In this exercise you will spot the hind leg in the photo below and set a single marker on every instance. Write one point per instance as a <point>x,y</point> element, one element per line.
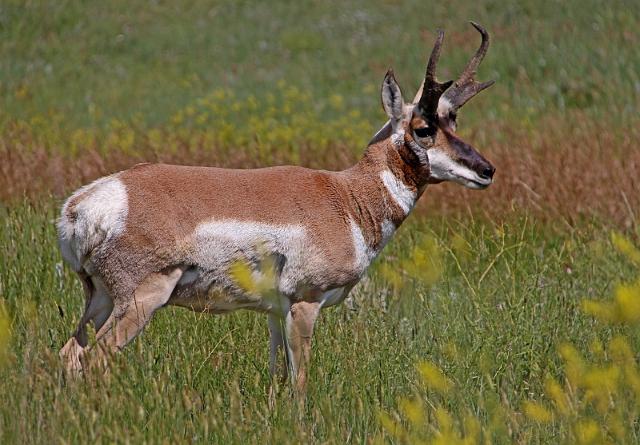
<point>129,316</point>
<point>98,307</point>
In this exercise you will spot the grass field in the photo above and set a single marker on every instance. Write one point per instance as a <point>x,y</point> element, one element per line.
<point>507,298</point>
<point>460,331</point>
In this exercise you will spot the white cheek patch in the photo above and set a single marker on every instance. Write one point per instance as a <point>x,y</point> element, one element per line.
<point>420,152</point>
<point>446,169</point>
<point>442,166</point>
<point>100,215</point>
<point>400,193</point>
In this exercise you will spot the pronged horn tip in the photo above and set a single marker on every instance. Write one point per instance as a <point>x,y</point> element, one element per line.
<point>465,86</point>
<point>480,28</point>
<point>472,66</point>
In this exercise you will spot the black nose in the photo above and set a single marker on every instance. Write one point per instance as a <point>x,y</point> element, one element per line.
<point>488,172</point>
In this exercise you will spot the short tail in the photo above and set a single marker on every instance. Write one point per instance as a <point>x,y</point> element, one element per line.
<point>92,215</point>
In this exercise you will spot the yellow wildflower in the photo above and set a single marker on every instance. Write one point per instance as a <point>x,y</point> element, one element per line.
<point>536,412</point>
<point>433,377</point>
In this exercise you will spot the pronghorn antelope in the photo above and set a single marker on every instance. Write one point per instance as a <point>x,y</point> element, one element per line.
<point>157,234</point>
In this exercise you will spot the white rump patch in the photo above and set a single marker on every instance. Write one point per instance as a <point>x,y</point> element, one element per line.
<point>97,216</point>
<point>401,194</point>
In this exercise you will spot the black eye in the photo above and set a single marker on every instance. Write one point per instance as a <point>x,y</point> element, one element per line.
<point>425,131</point>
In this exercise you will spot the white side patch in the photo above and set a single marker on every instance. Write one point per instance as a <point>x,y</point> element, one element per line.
<point>97,217</point>
<point>251,234</point>
<point>217,243</point>
<point>401,194</point>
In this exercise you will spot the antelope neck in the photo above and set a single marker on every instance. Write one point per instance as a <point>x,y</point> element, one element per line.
<point>383,188</point>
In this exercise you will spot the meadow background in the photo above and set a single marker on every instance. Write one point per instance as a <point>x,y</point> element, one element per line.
<point>481,322</point>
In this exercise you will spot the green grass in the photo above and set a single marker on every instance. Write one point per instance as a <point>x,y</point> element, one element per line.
<point>87,63</point>
<point>115,76</point>
<point>507,297</point>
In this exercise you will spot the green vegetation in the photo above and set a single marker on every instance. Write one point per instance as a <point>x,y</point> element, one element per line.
<point>507,297</point>
<point>84,65</point>
<point>462,325</point>
<point>594,401</point>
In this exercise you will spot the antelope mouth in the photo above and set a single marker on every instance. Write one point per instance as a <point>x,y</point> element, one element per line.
<point>475,182</point>
<point>478,184</point>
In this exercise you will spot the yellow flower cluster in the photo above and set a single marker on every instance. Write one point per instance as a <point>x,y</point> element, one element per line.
<point>423,264</point>
<point>596,402</point>
<point>284,121</point>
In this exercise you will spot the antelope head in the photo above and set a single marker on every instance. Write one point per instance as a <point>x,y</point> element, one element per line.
<point>428,124</point>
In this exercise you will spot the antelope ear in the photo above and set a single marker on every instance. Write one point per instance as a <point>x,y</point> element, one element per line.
<point>392,101</point>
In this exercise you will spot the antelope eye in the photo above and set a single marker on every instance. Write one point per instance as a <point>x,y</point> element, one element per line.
<point>425,131</point>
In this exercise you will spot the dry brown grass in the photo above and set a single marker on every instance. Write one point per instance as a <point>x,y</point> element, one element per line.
<point>563,171</point>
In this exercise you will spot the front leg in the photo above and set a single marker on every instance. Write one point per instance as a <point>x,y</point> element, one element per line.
<point>299,324</point>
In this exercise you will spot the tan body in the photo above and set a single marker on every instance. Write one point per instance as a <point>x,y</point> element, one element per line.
<point>283,205</point>
<point>184,227</point>
<point>163,234</point>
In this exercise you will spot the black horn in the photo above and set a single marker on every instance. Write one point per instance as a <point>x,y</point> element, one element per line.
<point>466,87</point>
<point>432,89</point>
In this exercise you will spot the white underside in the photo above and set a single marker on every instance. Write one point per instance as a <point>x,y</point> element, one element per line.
<point>218,244</point>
